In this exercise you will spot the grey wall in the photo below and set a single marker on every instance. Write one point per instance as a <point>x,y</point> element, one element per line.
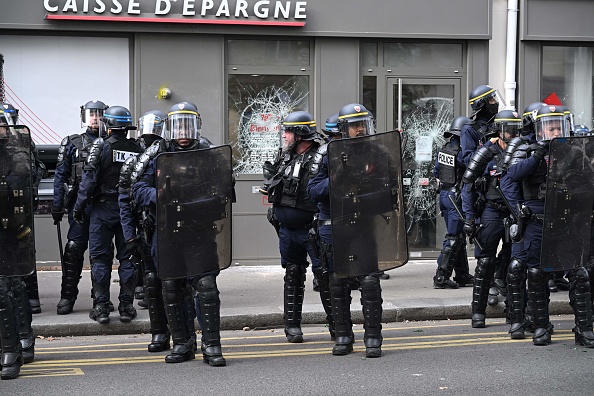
<point>337,75</point>
<point>191,66</point>
<point>567,20</point>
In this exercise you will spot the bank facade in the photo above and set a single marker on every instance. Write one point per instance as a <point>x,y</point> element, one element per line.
<point>246,63</point>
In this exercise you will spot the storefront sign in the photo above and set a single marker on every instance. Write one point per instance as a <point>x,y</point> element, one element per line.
<point>234,12</point>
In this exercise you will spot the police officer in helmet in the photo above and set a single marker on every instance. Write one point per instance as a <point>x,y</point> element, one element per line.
<point>17,255</point>
<point>354,121</point>
<point>138,227</point>
<point>448,170</point>
<point>294,212</point>
<point>98,189</point>
<point>183,134</point>
<point>72,155</point>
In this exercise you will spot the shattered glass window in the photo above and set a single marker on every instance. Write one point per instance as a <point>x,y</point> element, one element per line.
<point>427,112</point>
<point>257,106</point>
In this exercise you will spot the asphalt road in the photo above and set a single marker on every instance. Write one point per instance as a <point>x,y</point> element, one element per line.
<point>420,358</point>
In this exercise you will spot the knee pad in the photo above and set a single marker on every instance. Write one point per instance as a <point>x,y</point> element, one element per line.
<point>294,275</point>
<point>485,266</point>
<point>370,283</point>
<point>151,279</point>
<point>517,269</point>
<point>580,280</point>
<point>74,252</point>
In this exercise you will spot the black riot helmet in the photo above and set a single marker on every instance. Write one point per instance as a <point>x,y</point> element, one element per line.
<point>485,101</point>
<point>9,113</point>
<point>301,123</point>
<point>151,123</point>
<point>183,122</point>
<point>529,116</point>
<point>91,114</point>
<point>508,124</point>
<point>117,118</point>
<point>331,126</point>
<point>551,122</point>
<point>355,120</point>
<point>456,126</point>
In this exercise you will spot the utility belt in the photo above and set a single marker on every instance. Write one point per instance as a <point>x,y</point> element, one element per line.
<point>498,206</point>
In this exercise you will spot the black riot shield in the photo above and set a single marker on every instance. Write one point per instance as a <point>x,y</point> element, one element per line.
<point>194,194</point>
<point>569,200</point>
<point>17,241</point>
<point>366,204</point>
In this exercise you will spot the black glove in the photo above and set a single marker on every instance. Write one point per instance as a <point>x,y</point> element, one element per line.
<point>132,245</point>
<point>57,215</point>
<point>469,229</point>
<point>542,147</point>
<point>79,216</point>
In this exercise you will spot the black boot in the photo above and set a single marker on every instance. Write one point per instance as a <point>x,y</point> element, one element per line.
<point>210,310</point>
<point>23,311</point>
<point>485,267</point>
<point>72,266</point>
<point>293,301</point>
<point>371,300</point>
<point>538,299</point>
<point>442,280</point>
<point>323,278</point>
<point>581,302</point>
<point>100,311</point>
<point>184,338</point>
<point>341,312</point>
<point>516,298</point>
<point>157,316</point>
<point>126,305</point>
<point>463,277</point>
<point>12,358</point>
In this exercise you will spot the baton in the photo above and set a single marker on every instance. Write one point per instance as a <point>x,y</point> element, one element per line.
<point>471,240</point>
<point>60,246</point>
<point>509,207</point>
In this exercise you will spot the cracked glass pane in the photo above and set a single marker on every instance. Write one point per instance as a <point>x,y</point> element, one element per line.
<point>427,112</point>
<point>257,106</point>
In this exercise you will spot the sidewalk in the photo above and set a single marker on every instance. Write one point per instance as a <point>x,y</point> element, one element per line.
<point>252,296</point>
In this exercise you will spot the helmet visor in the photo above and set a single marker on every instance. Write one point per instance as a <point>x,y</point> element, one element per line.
<point>183,126</point>
<point>357,126</point>
<point>91,118</point>
<point>549,127</point>
<point>150,124</point>
<point>508,129</point>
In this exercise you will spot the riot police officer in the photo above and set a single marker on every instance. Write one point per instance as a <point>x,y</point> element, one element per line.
<point>354,121</point>
<point>483,203</point>
<point>448,170</point>
<point>149,130</point>
<point>11,117</point>
<point>294,212</point>
<point>529,167</point>
<point>182,135</point>
<point>17,179</point>
<point>98,188</point>
<point>72,155</point>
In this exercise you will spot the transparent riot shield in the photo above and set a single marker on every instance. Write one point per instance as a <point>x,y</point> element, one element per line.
<point>194,194</point>
<point>366,204</point>
<point>17,241</point>
<point>569,200</point>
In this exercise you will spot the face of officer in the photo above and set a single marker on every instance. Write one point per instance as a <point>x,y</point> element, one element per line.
<point>94,118</point>
<point>551,130</point>
<point>357,129</point>
<point>289,139</point>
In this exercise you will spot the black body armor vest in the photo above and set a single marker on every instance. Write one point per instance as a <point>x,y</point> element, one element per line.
<point>121,149</point>
<point>450,172</point>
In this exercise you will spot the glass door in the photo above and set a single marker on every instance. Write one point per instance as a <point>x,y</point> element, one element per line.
<point>422,109</point>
